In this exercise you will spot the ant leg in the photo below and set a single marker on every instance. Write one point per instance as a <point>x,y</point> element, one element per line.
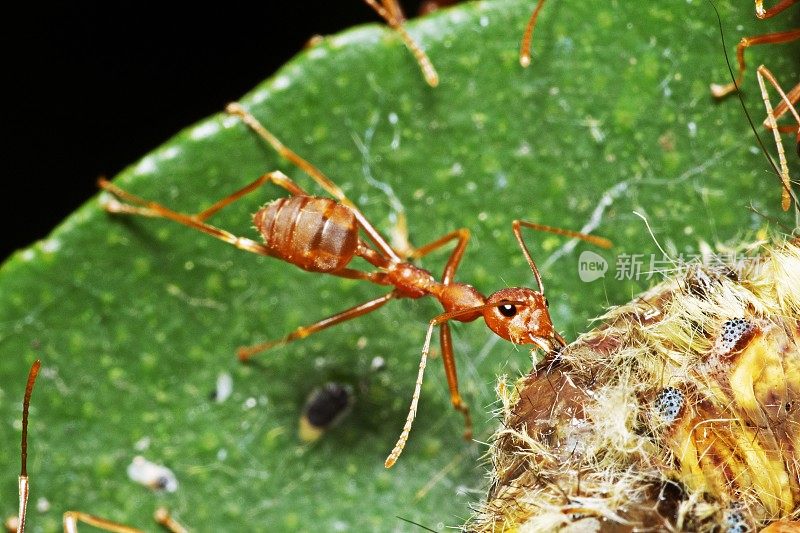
<point>246,352</point>
<point>399,239</point>
<point>774,10</point>
<point>761,73</point>
<point>277,177</point>
<point>787,103</point>
<point>316,174</point>
<point>140,206</point>
<point>163,517</point>
<point>527,36</point>
<point>71,519</point>
<point>448,359</point>
<point>445,339</point>
<point>452,377</point>
<point>429,6</point>
<point>720,91</point>
<point>461,234</point>
<point>401,243</point>
<point>24,486</point>
<point>390,11</point>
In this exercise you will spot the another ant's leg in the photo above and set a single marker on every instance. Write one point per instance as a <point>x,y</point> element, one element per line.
<point>71,519</point>
<point>163,517</point>
<point>527,36</point>
<point>246,352</point>
<point>720,91</point>
<point>429,6</point>
<point>24,486</point>
<point>390,11</point>
<point>787,104</point>
<point>452,377</point>
<point>316,174</point>
<point>140,206</point>
<point>786,190</point>
<point>401,243</point>
<point>774,10</point>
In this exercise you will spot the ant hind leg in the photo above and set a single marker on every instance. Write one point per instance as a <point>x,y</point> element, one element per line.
<point>139,206</point>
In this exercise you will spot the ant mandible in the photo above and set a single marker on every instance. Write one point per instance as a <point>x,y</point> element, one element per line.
<point>322,235</point>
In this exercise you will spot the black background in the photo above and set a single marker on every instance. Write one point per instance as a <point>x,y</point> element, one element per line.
<point>93,88</point>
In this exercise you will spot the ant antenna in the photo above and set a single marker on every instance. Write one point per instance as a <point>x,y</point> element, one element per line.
<point>746,112</point>
<point>412,411</point>
<point>516,225</point>
<point>23,474</point>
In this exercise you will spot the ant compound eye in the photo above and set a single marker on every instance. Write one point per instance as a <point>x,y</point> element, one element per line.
<point>507,310</point>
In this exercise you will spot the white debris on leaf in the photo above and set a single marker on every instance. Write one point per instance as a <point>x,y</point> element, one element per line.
<point>224,387</point>
<point>155,477</point>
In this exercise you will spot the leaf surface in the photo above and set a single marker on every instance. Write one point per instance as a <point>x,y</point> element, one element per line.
<point>134,319</point>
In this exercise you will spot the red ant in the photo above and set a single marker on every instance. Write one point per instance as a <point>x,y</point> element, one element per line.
<point>71,518</point>
<point>788,100</point>
<point>322,235</point>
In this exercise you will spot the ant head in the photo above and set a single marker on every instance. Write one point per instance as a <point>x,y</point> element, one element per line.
<point>520,315</point>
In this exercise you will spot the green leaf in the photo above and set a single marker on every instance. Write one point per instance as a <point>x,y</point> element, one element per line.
<point>134,319</point>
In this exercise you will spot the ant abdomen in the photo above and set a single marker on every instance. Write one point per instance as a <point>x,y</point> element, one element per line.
<point>316,234</point>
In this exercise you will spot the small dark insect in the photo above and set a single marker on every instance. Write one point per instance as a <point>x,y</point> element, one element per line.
<point>322,235</point>
<point>71,518</point>
<point>325,407</point>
